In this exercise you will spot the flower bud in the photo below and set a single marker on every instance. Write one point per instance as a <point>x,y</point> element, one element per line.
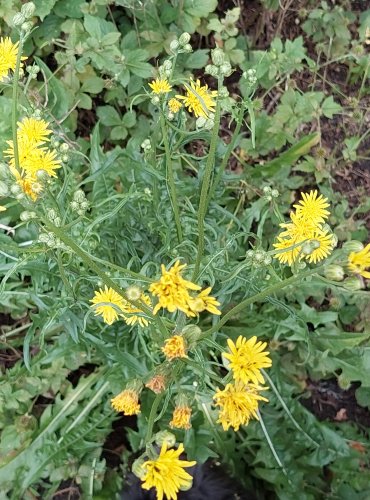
<point>155,100</point>
<point>226,69</point>
<point>4,190</point>
<point>138,469</point>
<point>223,92</point>
<point>167,64</point>
<point>353,283</point>
<point>18,19</point>
<point>64,147</point>
<point>74,205</point>
<point>65,158</point>
<point>184,39</point>
<point>24,216</point>
<point>43,237</point>
<point>52,214</point>
<point>170,116</point>
<point>79,196</point>
<point>27,26</point>
<point>15,189</point>
<point>211,70</point>
<point>344,382</point>
<point>28,9</point>
<point>201,121</point>
<point>334,272</point>
<point>352,246</point>
<point>188,48</point>
<point>85,205</point>
<point>217,56</point>
<point>174,45</point>
<point>191,333</point>
<point>275,193</point>
<point>165,437</point>
<point>133,292</point>
<point>42,175</point>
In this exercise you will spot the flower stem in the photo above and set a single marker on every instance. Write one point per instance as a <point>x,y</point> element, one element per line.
<point>226,157</point>
<point>152,415</point>
<point>258,297</point>
<point>206,185</point>
<point>15,102</point>
<point>171,179</point>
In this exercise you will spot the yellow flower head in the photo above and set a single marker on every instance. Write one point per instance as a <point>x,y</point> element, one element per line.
<point>238,404</point>
<point>202,302</point>
<point>322,244</point>
<point>40,159</point>
<point>181,417</point>
<point>157,384</point>
<point>312,208</point>
<point>107,302</point>
<point>127,401</point>
<point>199,100</point>
<point>358,262</point>
<point>134,313</point>
<point>175,347</point>
<point>247,357</point>
<point>172,290</point>
<point>174,105</point>
<point>160,86</point>
<point>166,473</point>
<point>34,131</point>
<point>8,56</point>
<point>289,253</point>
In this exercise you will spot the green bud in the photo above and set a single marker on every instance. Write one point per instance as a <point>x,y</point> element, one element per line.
<point>74,205</point>
<point>184,39</point>
<point>353,283</point>
<point>28,9</point>
<point>226,69</point>
<point>138,469</point>
<point>15,189</point>
<point>25,216</point>
<point>43,238</point>
<point>57,221</point>
<point>191,333</point>
<point>27,26</point>
<point>155,100</point>
<point>188,48</point>
<point>167,64</point>
<point>18,19</point>
<point>174,45</point>
<point>334,272</point>
<point>165,437</point>
<point>275,193</point>
<point>223,92</point>
<point>52,214</point>
<point>85,205</point>
<point>4,190</point>
<point>343,382</point>
<point>79,196</point>
<point>211,70</point>
<point>64,147</point>
<point>352,246</point>
<point>217,56</point>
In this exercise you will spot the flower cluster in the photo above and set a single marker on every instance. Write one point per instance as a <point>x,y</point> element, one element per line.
<point>33,156</point>
<point>306,236</point>
<point>238,402</point>
<point>111,306</point>
<point>172,291</point>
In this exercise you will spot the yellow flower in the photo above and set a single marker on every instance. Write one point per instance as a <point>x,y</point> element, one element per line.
<point>174,347</point>
<point>8,56</point>
<point>312,208</point>
<point>172,290</point>
<point>26,149</point>
<point>40,159</point>
<point>358,262</point>
<point>107,302</point>
<point>198,99</point>
<point>181,417</point>
<point>166,473</point>
<point>2,209</point>
<point>174,105</point>
<point>127,401</point>
<point>134,312</point>
<point>202,302</point>
<point>160,86</point>
<point>247,357</point>
<point>32,130</point>
<point>322,244</point>
<point>289,255</point>
<point>238,403</point>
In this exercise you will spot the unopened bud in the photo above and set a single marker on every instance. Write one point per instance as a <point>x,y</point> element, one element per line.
<point>184,39</point>
<point>165,437</point>
<point>217,56</point>
<point>138,469</point>
<point>64,147</point>
<point>188,48</point>
<point>226,69</point>
<point>155,100</point>
<point>174,45</point>
<point>352,246</point>
<point>28,9</point>
<point>18,19</point>
<point>353,283</point>
<point>79,196</point>
<point>133,292</point>
<point>4,190</point>
<point>344,382</point>
<point>334,272</point>
<point>27,26</point>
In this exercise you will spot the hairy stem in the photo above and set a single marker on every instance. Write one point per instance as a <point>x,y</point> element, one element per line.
<point>152,415</point>
<point>206,185</point>
<point>171,179</point>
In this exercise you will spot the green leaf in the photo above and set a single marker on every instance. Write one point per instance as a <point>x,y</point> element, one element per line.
<point>43,7</point>
<point>108,116</point>
<point>200,9</point>
<point>329,107</point>
<point>197,59</point>
<point>93,85</point>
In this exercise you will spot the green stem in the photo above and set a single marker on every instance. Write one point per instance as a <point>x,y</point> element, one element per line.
<point>225,159</point>
<point>15,102</point>
<point>206,184</point>
<point>258,297</point>
<point>85,257</point>
<point>152,415</point>
<point>171,179</point>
